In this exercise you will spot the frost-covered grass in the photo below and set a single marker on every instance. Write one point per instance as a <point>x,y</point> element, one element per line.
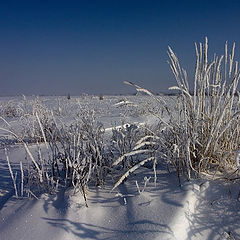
<point>206,131</point>
<point>197,131</point>
<point>71,146</point>
<point>91,145</point>
<point>201,131</point>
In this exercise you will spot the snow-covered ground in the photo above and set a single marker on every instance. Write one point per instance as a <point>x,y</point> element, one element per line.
<point>201,209</point>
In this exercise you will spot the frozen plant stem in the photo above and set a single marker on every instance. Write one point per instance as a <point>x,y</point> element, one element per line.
<point>11,173</point>
<point>22,177</point>
<point>237,159</point>
<point>146,181</point>
<point>139,191</point>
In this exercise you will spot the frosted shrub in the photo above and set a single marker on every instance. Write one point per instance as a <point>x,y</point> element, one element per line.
<point>67,155</point>
<point>122,141</point>
<point>135,147</point>
<point>10,109</point>
<point>206,130</point>
<point>24,113</point>
<point>84,151</point>
<point>41,116</point>
<point>76,154</point>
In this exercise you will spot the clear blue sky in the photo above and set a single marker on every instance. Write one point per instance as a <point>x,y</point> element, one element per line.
<point>60,47</point>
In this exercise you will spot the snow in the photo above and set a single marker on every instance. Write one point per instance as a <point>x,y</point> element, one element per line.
<point>162,212</point>
<point>122,214</point>
<point>200,209</point>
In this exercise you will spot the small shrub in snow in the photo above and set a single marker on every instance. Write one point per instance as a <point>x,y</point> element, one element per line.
<point>206,131</point>
<point>10,109</point>
<point>122,141</point>
<point>140,151</point>
<point>67,155</point>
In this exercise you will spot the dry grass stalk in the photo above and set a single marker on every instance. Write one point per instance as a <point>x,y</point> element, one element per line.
<point>207,120</point>
<point>11,173</point>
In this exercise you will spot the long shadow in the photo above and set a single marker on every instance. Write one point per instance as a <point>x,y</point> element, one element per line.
<point>58,201</point>
<point>17,212</point>
<point>170,190</point>
<point>6,184</point>
<point>167,188</point>
<point>92,231</point>
<point>216,214</point>
<point>135,212</point>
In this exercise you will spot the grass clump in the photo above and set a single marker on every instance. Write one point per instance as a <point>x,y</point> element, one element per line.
<point>206,130</point>
<point>202,130</point>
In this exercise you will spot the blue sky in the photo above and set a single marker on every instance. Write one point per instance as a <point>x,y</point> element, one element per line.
<point>61,47</point>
